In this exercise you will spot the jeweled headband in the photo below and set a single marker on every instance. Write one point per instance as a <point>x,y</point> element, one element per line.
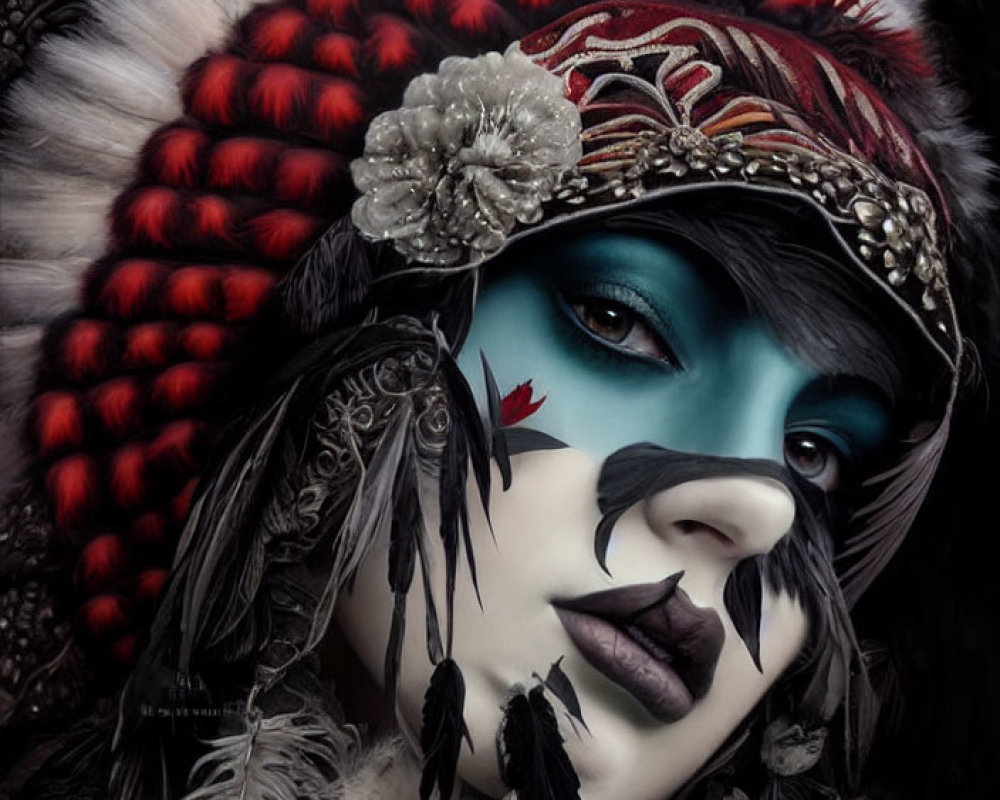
<point>625,102</point>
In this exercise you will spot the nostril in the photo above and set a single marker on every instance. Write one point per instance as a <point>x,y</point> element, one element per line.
<point>691,526</point>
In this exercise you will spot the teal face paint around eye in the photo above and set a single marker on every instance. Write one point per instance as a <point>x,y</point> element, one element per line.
<point>726,385</point>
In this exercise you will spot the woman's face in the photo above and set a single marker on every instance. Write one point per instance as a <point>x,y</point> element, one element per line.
<point>628,342</point>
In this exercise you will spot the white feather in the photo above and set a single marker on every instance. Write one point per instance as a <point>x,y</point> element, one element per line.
<point>37,291</point>
<point>282,757</point>
<point>85,110</point>
<point>51,215</point>
<point>19,349</point>
<point>173,32</point>
<point>897,14</point>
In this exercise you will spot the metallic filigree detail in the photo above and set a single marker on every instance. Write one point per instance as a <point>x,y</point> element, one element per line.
<point>42,673</point>
<point>24,22</point>
<point>893,225</point>
<point>344,434</point>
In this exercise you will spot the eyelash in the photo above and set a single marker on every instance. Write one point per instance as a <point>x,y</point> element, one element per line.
<point>640,316</point>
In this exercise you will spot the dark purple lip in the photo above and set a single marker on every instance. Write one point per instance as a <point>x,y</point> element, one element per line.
<point>651,640</point>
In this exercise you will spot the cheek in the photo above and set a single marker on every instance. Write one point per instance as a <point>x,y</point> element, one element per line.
<point>542,548</point>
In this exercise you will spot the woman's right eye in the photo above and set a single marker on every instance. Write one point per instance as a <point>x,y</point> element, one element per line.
<point>622,327</point>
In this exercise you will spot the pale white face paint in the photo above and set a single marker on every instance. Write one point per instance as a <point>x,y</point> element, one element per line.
<point>732,391</point>
<point>544,550</point>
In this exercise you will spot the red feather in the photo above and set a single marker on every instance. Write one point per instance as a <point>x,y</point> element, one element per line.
<point>102,562</point>
<point>150,216</point>
<point>393,42</point>
<point>304,176</point>
<point>213,220</point>
<point>420,8</point>
<point>106,614</point>
<point>518,405</point>
<point>151,344</point>
<point>174,156</point>
<point>128,478</point>
<point>184,387</point>
<point>240,164</point>
<point>72,484</point>
<point>181,504</point>
<point>85,349</point>
<point>212,89</point>
<point>283,235</point>
<point>118,404</point>
<point>275,35</point>
<point>151,529</point>
<point>338,11</point>
<point>123,651</point>
<point>148,586</point>
<point>246,291</point>
<point>279,94</point>
<point>195,292</point>
<point>337,53</point>
<point>339,110</point>
<point>473,16</point>
<point>205,341</point>
<point>130,290</point>
<point>59,422</point>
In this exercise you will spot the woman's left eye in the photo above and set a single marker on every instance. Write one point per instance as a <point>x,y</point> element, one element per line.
<point>815,459</point>
<point>621,326</point>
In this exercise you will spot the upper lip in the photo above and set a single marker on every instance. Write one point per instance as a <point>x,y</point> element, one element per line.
<point>663,620</point>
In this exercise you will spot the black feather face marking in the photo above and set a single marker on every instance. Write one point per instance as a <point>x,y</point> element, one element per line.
<point>533,761</point>
<point>443,730</point>
<point>510,441</point>
<point>558,682</point>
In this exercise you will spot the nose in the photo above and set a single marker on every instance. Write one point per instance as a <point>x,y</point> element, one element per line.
<point>723,518</point>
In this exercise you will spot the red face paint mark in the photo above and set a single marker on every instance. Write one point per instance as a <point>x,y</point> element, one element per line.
<point>518,405</point>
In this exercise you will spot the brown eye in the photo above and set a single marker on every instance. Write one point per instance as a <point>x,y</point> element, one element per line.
<point>605,319</point>
<point>620,326</point>
<point>814,459</point>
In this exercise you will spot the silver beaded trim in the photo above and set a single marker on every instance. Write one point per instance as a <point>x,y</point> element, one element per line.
<point>894,224</point>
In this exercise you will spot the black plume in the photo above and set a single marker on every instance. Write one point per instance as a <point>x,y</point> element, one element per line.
<point>329,281</point>
<point>406,531</point>
<point>742,597</point>
<point>559,684</point>
<point>533,762</point>
<point>442,730</point>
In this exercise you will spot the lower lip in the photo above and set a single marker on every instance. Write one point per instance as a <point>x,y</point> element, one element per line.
<point>624,661</point>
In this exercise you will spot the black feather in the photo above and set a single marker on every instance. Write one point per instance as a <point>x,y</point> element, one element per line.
<point>641,470</point>
<point>559,684</point>
<point>465,445</point>
<point>463,407</point>
<point>527,440</point>
<point>442,730</point>
<point>497,439</point>
<point>454,468</point>
<point>330,280</point>
<point>742,597</point>
<point>435,650</point>
<point>406,531</point>
<point>533,761</point>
